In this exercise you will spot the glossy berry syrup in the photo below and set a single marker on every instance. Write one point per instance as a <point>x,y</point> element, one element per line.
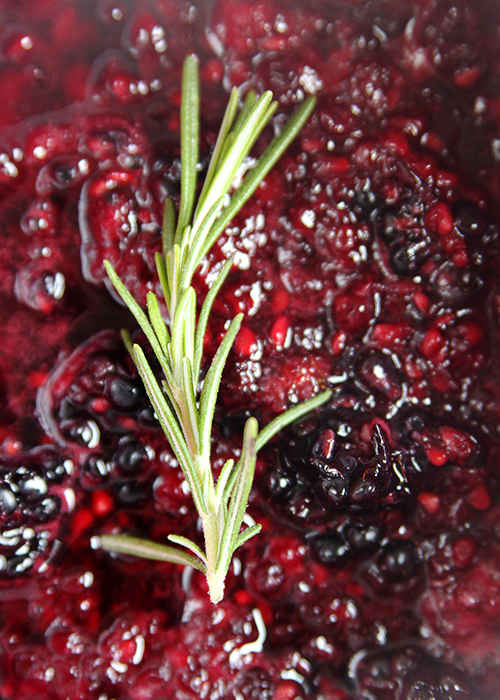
<point>368,262</point>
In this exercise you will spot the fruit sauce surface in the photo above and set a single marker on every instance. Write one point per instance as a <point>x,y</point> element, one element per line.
<point>368,262</point>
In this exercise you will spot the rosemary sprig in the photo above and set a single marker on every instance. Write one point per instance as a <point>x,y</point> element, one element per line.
<point>185,413</point>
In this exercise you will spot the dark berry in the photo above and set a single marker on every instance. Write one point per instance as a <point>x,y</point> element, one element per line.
<point>364,538</point>
<point>330,549</point>
<point>124,394</point>
<point>95,471</point>
<point>406,259</point>
<point>130,457</point>
<point>131,493</point>
<point>410,673</point>
<point>8,501</point>
<point>398,560</point>
<point>279,482</point>
<point>32,487</point>
<point>377,371</point>
<point>335,490</point>
<point>469,219</point>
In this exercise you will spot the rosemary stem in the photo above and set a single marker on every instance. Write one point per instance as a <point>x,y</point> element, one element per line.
<point>185,412</point>
<point>216,581</point>
<point>212,538</point>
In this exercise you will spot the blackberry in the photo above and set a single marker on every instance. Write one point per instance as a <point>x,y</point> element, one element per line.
<point>36,497</point>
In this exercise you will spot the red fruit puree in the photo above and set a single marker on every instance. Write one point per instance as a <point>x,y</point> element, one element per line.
<point>367,262</point>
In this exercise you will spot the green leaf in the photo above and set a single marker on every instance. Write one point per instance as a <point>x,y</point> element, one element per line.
<point>189,403</point>
<point>248,105</point>
<point>168,228</point>
<point>127,341</point>
<point>252,126</point>
<point>271,110</point>
<point>210,389</point>
<point>183,331</point>
<point>136,547</point>
<point>255,176</point>
<point>190,127</point>
<point>239,497</point>
<point>188,544</point>
<point>157,321</point>
<point>197,243</point>
<point>173,268</point>
<point>265,119</point>
<point>227,122</point>
<point>232,160</point>
<point>205,313</point>
<point>221,483</point>
<point>170,427</point>
<point>208,487</point>
<point>169,391</point>
<point>247,534</point>
<point>290,416</point>
<point>228,144</point>
<point>162,276</point>
<point>139,314</point>
<point>190,325</point>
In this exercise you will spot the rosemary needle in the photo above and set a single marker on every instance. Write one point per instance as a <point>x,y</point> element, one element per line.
<point>186,414</point>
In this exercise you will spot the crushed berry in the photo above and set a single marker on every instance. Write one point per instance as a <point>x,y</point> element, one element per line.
<point>366,262</point>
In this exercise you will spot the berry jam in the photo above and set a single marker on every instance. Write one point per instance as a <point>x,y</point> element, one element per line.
<point>366,262</point>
